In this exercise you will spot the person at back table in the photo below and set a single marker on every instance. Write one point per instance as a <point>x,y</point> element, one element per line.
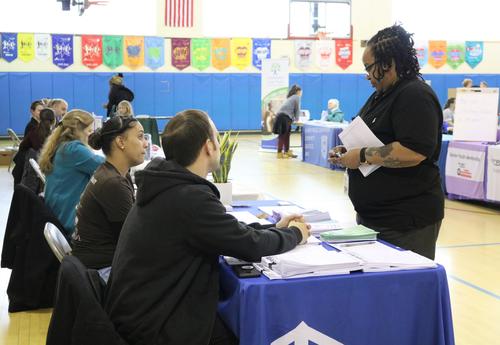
<point>164,285</point>
<point>68,164</point>
<point>35,109</point>
<point>333,113</point>
<point>109,195</point>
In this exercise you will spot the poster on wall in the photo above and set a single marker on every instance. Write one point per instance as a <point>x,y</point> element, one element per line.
<point>200,53</point>
<point>155,52</point>
<point>261,50</point>
<point>112,47</point>
<point>9,46</point>
<point>274,88</point>
<point>134,52</point>
<point>303,54</point>
<point>26,47</point>
<point>476,116</point>
<point>91,51</point>
<point>464,171</point>
<point>42,47</point>
<point>422,53</point>
<point>456,54</point>
<point>324,53</point>
<point>474,53</point>
<point>343,53</point>
<point>62,50</point>
<point>181,53</point>
<point>221,58</point>
<point>241,52</point>
<point>437,53</point>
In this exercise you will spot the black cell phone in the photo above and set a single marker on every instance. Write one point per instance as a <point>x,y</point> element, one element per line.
<point>245,271</point>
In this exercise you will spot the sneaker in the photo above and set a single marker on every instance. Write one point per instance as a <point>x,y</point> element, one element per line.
<point>290,154</point>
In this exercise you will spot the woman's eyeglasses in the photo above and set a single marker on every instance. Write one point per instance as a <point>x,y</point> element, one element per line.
<point>369,67</point>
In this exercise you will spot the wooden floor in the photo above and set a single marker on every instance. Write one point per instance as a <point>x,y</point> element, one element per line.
<point>468,245</point>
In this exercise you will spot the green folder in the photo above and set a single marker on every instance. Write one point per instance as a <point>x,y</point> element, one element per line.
<point>355,233</point>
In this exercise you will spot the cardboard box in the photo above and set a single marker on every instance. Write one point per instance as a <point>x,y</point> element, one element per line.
<point>5,156</point>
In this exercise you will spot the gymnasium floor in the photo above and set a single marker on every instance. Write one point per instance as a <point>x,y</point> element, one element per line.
<point>468,245</point>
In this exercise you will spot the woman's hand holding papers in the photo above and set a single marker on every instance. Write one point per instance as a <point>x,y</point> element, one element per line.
<point>348,159</point>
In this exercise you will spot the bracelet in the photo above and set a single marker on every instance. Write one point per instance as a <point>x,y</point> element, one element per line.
<point>362,156</point>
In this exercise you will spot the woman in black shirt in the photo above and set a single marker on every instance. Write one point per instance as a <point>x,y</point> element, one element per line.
<point>403,199</point>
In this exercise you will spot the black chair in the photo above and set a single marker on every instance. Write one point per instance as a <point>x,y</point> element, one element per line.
<point>78,316</point>
<point>34,267</point>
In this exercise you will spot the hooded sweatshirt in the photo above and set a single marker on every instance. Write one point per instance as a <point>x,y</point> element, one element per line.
<point>164,282</point>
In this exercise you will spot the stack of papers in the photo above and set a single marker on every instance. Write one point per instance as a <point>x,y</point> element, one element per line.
<point>248,218</point>
<point>355,233</point>
<point>309,215</point>
<point>307,261</point>
<point>378,257</point>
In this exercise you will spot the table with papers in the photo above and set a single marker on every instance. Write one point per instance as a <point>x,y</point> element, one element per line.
<point>401,307</point>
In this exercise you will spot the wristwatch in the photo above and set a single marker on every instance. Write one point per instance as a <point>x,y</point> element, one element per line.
<point>362,156</point>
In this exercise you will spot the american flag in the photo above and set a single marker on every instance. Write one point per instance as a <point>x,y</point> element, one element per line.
<point>179,13</point>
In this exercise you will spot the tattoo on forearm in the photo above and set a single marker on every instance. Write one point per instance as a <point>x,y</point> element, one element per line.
<point>384,152</point>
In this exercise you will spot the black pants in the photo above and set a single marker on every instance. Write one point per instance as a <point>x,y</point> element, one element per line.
<point>222,335</point>
<point>421,240</point>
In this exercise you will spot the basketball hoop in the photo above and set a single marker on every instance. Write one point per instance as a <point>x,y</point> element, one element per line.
<point>321,35</point>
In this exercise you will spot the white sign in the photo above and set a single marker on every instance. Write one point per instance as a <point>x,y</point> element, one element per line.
<point>465,164</point>
<point>476,114</point>
<point>304,335</point>
<point>303,53</point>
<point>493,166</point>
<point>42,47</point>
<point>274,88</point>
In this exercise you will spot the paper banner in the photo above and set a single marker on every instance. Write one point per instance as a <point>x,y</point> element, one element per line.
<point>134,52</point>
<point>261,50</point>
<point>42,47</point>
<point>343,53</point>
<point>181,53</point>
<point>112,47</point>
<point>422,53</point>
<point>456,54</point>
<point>26,47</point>
<point>474,51</point>
<point>155,52</point>
<point>9,46</point>
<point>91,50</point>
<point>324,53</point>
<point>200,53</point>
<point>62,50</point>
<point>221,59</point>
<point>437,53</point>
<point>303,54</point>
<point>241,52</point>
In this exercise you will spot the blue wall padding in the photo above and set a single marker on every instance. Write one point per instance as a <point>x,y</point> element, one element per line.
<point>232,99</point>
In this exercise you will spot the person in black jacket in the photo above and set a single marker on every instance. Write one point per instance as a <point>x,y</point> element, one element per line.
<point>117,93</point>
<point>164,282</point>
<point>35,109</point>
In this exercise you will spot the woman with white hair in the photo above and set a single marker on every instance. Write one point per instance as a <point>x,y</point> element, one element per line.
<point>333,113</point>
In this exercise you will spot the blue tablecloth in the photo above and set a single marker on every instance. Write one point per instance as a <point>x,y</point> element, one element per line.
<point>402,307</point>
<point>442,159</point>
<point>317,140</point>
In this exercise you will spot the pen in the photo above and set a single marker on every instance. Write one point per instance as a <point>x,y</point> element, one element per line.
<point>355,244</point>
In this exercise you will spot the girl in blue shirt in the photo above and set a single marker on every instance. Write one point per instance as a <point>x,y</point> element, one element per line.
<point>68,164</point>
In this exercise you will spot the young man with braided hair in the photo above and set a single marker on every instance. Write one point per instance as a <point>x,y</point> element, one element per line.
<point>403,199</point>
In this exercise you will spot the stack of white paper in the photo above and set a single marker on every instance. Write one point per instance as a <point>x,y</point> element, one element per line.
<point>304,261</point>
<point>309,215</point>
<point>248,218</point>
<point>377,256</point>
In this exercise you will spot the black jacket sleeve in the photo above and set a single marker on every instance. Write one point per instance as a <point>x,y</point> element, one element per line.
<point>213,231</point>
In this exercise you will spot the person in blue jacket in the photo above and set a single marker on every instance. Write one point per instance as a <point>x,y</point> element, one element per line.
<point>68,163</point>
<point>333,113</point>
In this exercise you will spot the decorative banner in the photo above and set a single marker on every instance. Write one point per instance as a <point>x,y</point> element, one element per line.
<point>422,53</point>
<point>456,54</point>
<point>324,54</point>
<point>91,51</point>
<point>303,54</point>
<point>155,52</point>
<point>42,46</point>
<point>437,53</point>
<point>9,46</point>
<point>220,53</point>
<point>200,53</point>
<point>181,53</point>
<point>261,51</point>
<point>62,50</point>
<point>343,53</point>
<point>112,47</point>
<point>26,47</point>
<point>241,52</point>
<point>134,51</point>
<point>473,53</point>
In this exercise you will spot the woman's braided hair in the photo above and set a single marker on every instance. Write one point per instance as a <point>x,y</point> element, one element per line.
<point>394,44</point>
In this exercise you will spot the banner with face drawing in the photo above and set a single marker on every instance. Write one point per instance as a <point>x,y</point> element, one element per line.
<point>261,50</point>
<point>324,54</point>
<point>303,54</point>
<point>241,52</point>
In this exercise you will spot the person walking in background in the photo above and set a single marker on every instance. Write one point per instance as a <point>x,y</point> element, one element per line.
<point>117,93</point>
<point>288,112</point>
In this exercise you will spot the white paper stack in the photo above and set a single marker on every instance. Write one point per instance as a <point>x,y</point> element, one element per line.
<point>248,218</point>
<point>309,215</point>
<point>306,261</point>
<point>378,257</point>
